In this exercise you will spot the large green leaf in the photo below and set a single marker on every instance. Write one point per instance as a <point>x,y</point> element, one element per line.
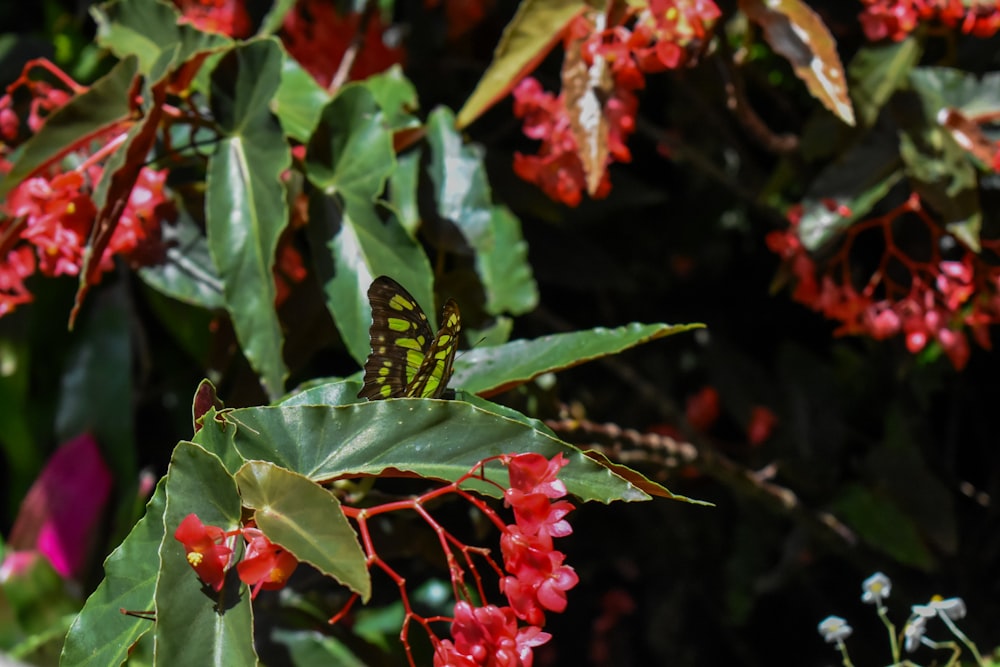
<point>349,158</point>
<point>504,268</point>
<point>245,202</point>
<point>396,97</point>
<point>101,635</point>
<point>490,370</point>
<point>461,188</point>
<point>148,29</point>
<point>426,437</point>
<point>194,624</point>
<point>299,100</point>
<point>187,272</point>
<point>306,519</point>
<point>105,103</point>
<point>535,29</point>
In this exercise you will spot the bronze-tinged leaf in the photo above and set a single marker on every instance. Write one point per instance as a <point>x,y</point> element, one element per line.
<point>536,27</point>
<point>125,167</point>
<point>584,89</point>
<point>799,34</point>
<point>968,134</point>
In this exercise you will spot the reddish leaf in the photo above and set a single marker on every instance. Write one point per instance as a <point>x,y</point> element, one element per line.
<point>125,165</point>
<point>799,34</point>
<point>527,39</point>
<point>583,88</point>
<point>968,134</point>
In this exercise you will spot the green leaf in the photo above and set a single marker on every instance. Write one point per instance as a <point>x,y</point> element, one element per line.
<point>216,436</point>
<point>148,29</point>
<point>350,152</point>
<point>396,96</point>
<point>426,437</point>
<point>877,71</point>
<point>352,247</point>
<point>312,648</point>
<point>942,86</point>
<point>101,635</point>
<point>306,519</point>
<point>504,268</point>
<point>349,158</point>
<point>105,103</point>
<point>195,625</point>
<point>97,381</point>
<point>275,17</point>
<point>941,171</point>
<point>945,178</point>
<point>461,188</point>
<point>245,201</point>
<point>187,272</point>
<point>882,525</point>
<point>327,392</point>
<point>858,179</point>
<point>299,100</point>
<point>535,29</point>
<point>403,184</point>
<point>490,370</point>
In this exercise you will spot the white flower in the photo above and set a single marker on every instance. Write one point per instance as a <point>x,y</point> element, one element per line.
<point>834,629</point>
<point>876,589</point>
<point>914,632</point>
<point>953,608</point>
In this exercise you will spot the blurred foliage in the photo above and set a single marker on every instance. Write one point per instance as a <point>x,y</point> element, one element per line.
<point>880,457</point>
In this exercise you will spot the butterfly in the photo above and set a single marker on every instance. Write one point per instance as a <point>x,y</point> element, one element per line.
<point>407,359</point>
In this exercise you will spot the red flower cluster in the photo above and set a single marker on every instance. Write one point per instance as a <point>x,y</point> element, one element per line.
<point>537,581</point>
<point>895,19</point>
<point>264,565</point>
<point>228,17</point>
<point>47,219</point>
<point>317,37</point>
<point>658,39</point>
<point>934,301</point>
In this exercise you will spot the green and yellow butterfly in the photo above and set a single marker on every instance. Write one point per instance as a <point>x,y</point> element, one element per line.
<point>407,359</point>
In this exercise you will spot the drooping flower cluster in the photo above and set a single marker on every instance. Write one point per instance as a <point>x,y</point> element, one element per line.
<point>662,36</point>
<point>895,19</point>
<point>537,578</point>
<point>46,220</point>
<point>264,565</point>
<point>925,300</point>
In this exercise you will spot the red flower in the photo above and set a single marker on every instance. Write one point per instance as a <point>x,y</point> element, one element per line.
<point>702,409</point>
<point>488,636</point>
<point>228,17</point>
<point>206,552</point>
<point>538,580</point>
<point>761,426</point>
<point>265,565</point>
<point>533,473</point>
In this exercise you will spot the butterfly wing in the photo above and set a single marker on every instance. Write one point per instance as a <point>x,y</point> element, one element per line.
<point>431,378</point>
<point>405,356</point>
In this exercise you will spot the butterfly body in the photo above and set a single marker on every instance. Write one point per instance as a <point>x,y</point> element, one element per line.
<point>407,358</point>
